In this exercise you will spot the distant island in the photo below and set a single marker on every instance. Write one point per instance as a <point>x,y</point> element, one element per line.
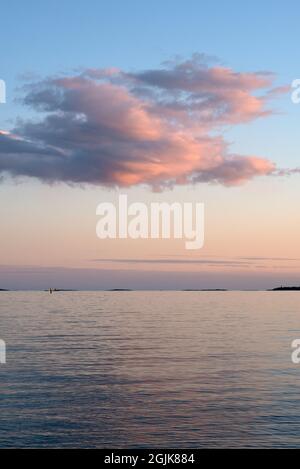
<point>281,288</point>
<point>206,289</point>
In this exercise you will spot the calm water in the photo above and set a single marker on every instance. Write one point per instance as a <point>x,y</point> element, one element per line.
<point>149,369</point>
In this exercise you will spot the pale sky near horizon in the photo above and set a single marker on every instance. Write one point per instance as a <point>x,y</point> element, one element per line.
<point>252,230</point>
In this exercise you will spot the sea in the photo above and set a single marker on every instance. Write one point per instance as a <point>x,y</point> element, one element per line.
<point>149,369</point>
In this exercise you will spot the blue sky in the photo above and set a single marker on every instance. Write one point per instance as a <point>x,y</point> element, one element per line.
<point>50,38</point>
<point>46,38</point>
<point>60,34</point>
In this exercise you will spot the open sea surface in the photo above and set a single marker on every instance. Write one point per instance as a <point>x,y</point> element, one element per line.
<point>149,369</point>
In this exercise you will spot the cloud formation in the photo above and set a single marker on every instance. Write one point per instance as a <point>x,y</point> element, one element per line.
<point>157,127</point>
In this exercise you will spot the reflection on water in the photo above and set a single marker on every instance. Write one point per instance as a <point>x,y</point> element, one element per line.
<point>149,369</point>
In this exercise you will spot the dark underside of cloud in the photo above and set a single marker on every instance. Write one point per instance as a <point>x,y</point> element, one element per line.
<point>156,127</point>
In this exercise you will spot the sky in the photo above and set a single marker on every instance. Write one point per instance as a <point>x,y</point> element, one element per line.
<point>164,101</point>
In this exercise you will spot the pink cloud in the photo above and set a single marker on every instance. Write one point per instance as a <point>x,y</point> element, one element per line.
<point>156,127</point>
